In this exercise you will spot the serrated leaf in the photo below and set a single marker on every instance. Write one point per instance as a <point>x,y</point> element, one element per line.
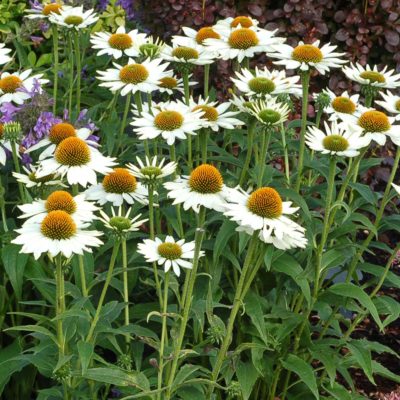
<point>247,376</point>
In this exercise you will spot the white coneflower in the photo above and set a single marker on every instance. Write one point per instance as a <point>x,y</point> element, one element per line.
<point>265,83</point>
<point>118,186</point>
<point>134,77</point>
<point>368,76</point>
<point>57,133</point>
<point>204,187</point>
<point>169,253</point>
<point>269,112</point>
<point>77,161</point>
<point>57,233</point>
<point>151,169</point>
<point>215,116</point>
<point>16,87</point>
<point>342,139</point>
<point>264,211</point>
<point>121,223</point>
<point>73,18</point>
<point>30,180</point>
<point>45,10</point>
<point>171,120</point>
<point>77,206</point>
<point>391,103</point>
<point>119,43</point>
<point>4,54</point>
<point>342,104</point>
<point>306,56</point>
<point>187,53</point>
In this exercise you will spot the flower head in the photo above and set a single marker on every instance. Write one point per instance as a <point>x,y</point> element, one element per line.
<point>30,180</point>
<point>269,112</point>
<point>264,211</point>
<point>151,170</point>
<point>342,139</point>
<point>391,103</point>
<point>44,10</point>
<point>4,54</point>
<point>306,56</point>
<point>74,18</point>
<point>169,253</point>
<point>338,105</point>
<point>121,224</point>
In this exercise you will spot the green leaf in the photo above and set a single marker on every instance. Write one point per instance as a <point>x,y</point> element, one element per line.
<point>226,231</point>
<point>14,263</point>
<point>363,357</point>
<point>85,351</point>
<point>304,371</point>
<point>247,376</point>
<point>33,329</point>
<point>365,192</point>
<point>356,293</point>
<point>382,371</point>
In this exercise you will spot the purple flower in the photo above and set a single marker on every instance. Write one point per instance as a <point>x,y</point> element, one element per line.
<point>103,4</point>
<point>127,5</point>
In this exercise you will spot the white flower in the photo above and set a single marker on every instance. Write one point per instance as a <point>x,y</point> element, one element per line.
<point>215,116</point>
<point>16,87</point>
<point>171,120</point>
<point>242,20</point>
<point>58,132</point>
<point>74,18</point>
<point>269,112</point>
<point>152,170</point>
<point>77,161</point>
<point>343,104</point>
<point>396,188</point>
<point>241,42</point>
<point>372,76</point>
<point>306,56</point>
<point>45,10</point>
<point>169,253</point>
<point>264,211</point>
<point>119,43</point>
<point>242,104</point>
<point>187,52</point>
<point>375,124</point>
<point>118,186</point>
<point>391,104</point>
<point>76,206</point>
<point>204,187</point>
<point>4,144</point>
<point>4,57</point>
<point>30,180</point>
<point>266,83</point>
<point>57,233</point>
<point>121,223</point>
<point>342,139</point>
<point>170,83</point>
<point>134,77</point>
<point>196,38</point>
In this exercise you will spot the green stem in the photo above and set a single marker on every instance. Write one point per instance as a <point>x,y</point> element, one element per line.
<point>55,66</point>
<point>203,140</point>
<point>83,276</point>
<point>163,334</point>
<point>251,127</point>
<point>104,291</point>
<point>78,71</point>
<point>265,138</point>
<point>285,153</point>
<point>238,301</point>
<point>18,170</point>
<point>187,100</point>
<point>188,301</point>
<point>60,303</point>
<point>71,74</point>
<point>126,292</point>
<point>125,117</point>
<point>206,80</point>
<point>305,81</point>
<point>177,207</point>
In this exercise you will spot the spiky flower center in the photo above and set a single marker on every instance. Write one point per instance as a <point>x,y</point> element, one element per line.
<point>243,21</point>
<point>206,33</point>
<point>265,202</point>
<point>307,53</point>
<point>10,84</point>
<point>133,73</point>
<point>120,41</point>
<point>72,152</point>
<point>32,177</point>
<point>168,120</point>
<point>168,82</point>
<point>243,39</point>
<point>149,49</point>
<point>58,225</point>
<point>269,116</point>
<point>73,20</point>
<point>343,105</point>
<point>374,121</point>
<point>209,113</point>
<point>51,8</point>
<point>120,223</point>
<point>397,105</point>
<point>373,76</point>
<point>261,85</point>
<point>249,105</point>
<point>206,179</point>
<point>169,250</point>
<point>61,131</point>
<point>119,181</point>
<point>335,143</point>
<point>151,172</point>
<point>185,53</point>
<point>61,200</point>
